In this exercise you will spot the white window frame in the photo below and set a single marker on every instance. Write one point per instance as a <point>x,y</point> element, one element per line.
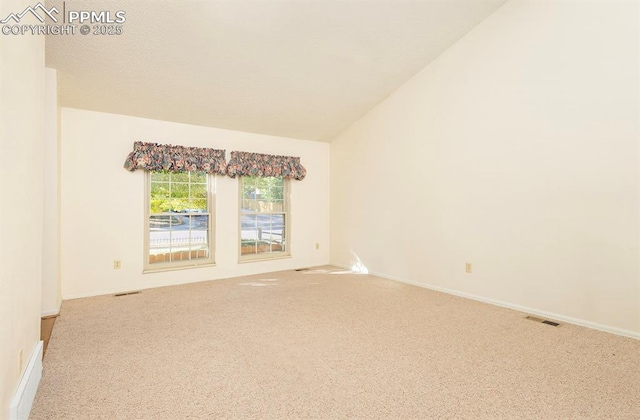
<point>179,265</point>
<point>267,256</point>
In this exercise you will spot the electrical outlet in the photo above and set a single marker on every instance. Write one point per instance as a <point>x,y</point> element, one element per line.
<point>468,267</point>
<point>117,264</point>
<point>317,245</point>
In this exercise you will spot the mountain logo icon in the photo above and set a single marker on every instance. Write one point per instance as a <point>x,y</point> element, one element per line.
<point>34,11</point>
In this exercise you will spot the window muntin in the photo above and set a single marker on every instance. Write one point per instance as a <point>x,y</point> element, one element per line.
<point>179,220</point>
<point>263,217</point>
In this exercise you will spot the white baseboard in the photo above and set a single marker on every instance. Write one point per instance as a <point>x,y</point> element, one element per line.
<point>532,311</point>
<point>23,399</point>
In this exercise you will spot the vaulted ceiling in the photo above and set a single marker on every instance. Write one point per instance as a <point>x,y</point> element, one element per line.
<point>293,68</point>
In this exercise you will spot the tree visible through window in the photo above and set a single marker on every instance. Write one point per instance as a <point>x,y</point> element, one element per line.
<point>263,217</point>
<point>179,219</point>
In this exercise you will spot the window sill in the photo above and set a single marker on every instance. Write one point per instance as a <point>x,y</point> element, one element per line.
<point>263,259</point>
<point>176,268</point>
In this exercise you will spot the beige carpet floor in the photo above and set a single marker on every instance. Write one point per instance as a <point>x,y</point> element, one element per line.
<point>326,344</point>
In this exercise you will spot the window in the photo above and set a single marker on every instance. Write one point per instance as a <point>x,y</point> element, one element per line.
<point>179,220</point>
<point>263,218</point>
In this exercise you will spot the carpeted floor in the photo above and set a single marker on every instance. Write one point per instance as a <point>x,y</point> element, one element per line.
<point>326,344</point>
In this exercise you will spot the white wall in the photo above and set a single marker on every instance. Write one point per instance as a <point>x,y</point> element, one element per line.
<point>51,290</point>
<point>516,150</point>
<point>102,204</point>
<point>21,158</point>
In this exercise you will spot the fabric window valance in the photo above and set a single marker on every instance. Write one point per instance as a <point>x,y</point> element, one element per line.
<point>257,164</point>
<point>167,157</point>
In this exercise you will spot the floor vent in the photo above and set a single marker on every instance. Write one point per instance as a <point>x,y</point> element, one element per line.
<point>126,294</point>
<point>301,269</point>
<point>541,320</point>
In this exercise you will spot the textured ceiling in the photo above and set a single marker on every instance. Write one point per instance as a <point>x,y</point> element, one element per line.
<point>301,69</point>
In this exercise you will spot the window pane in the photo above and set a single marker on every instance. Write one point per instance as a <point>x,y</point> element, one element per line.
<point>277,206</point>
<point>263,206</point>
<point>199,236</point>
<point>278,231</point>
<point>178,238</point>
<point>248,234</point>
<point>161,205</point>
<point>264,195</point>
<point>180,190</point>
<point>198,190</point>
<point>159,238</point>
<point>197,206</point>
<point>180,177</point>
<point>183,236</point>
<point>248,247</point>
<point>179,197</point>
<point>199,223</point>
<point>159,190</point>
<point>275,193</point>
<point>262,215</point>
<point>198,177</point>
<point>248,206</point>
<point>159,176</point>
<point>248,192</point>
<point>249,181</point>
<point>249,226</point>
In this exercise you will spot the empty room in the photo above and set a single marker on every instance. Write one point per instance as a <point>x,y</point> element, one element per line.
<point>325,209</point>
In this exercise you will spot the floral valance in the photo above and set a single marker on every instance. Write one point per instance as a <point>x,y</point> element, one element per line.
<point>166,157</point>
<point>257,164</point>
